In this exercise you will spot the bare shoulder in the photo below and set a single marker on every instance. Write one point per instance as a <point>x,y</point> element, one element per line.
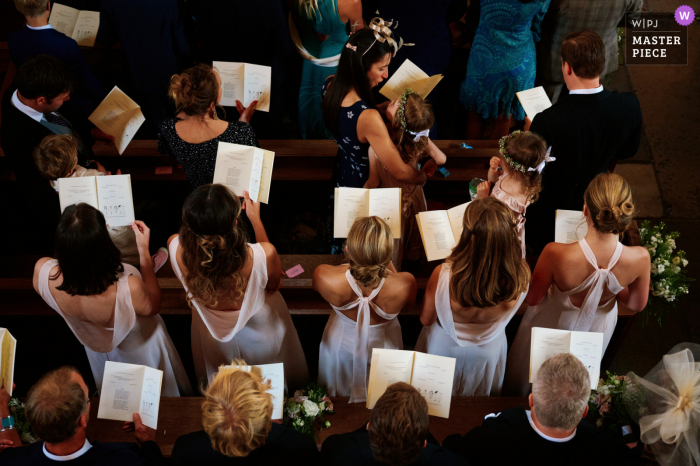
<point>40,264</point>
<point>399,284</point>
<point>170,240</point>
<point>371,116</point>
<point>330,274</point>
<point>637,255</point>
<point>268,248</point>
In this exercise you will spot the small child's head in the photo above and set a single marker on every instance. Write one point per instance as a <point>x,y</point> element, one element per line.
<point>56,156</point>
<point>413,117</point>
<point>523,156</point>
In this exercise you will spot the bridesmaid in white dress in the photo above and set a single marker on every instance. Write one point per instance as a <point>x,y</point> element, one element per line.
<point>111,307</point>
<point>471,298</point>
<point>233,287</point>
<point>577,286</point>
<point>367,296</point>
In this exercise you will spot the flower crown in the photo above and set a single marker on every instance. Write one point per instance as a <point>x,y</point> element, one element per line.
<point>518,166</point>
<point>401,112</point>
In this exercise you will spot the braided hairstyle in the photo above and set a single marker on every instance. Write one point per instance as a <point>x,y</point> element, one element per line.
<point>195,89</point>
<point>370,245</point>
<point>609,201</point>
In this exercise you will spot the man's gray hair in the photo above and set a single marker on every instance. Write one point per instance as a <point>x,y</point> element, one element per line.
<point>560,392</point>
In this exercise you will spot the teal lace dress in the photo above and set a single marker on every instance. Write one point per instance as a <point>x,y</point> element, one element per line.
<point>502,60</point>
<point>326,22</point>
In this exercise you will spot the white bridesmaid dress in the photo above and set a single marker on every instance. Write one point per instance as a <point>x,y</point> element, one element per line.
<point>261,332</point>
<point>134,339</point>
<point>556,311</point>
<point>480,349</point>
<point>346,347</point>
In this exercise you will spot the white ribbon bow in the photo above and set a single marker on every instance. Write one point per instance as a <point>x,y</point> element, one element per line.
<point>547,158</point>
<point>425,133</point>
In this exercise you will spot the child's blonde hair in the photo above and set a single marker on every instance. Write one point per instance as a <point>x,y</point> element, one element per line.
<point>418,114</point>
<point>55,156</point>
<point>526,150</point>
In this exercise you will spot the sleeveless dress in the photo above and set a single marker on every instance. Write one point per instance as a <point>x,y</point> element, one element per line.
<point>556,311</point>
<point>261,332</point>
<point>514,205</point>
<point>134,339</point>
<point>502,60</point>
<point>480,349</point>
<point>328,23</point>
<point>346,347</point>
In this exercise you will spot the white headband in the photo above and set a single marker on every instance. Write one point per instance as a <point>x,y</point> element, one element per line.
<point>547,158</point>
<point>425,133</point>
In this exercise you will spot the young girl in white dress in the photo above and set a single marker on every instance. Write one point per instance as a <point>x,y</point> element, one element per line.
<point>577,286</point>
<point>111,307</point>
<point>471,298</point>
<point>523,157</point>
<point>232,286</point>
<point>366,296</point>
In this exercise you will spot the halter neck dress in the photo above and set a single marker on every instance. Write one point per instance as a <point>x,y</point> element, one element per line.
<point>514,205</point>
<point>346,347</point>
<point>556,311</point>
<point>261,332</point>
<point>134,339</point>
<point>480,349</point>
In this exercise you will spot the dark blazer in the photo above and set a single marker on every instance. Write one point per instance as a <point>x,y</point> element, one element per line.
<point>353,449</point>
<point>586,132</point>
<point>284,446</point>
<point>509,439</point>
<point>101,454</point>
<point>25,43</point>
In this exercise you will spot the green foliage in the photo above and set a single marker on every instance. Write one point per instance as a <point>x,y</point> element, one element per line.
<point>21,422</point>
<point>304,412</point>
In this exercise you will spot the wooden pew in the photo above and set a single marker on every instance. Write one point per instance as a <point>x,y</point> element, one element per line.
<point>179,416</point>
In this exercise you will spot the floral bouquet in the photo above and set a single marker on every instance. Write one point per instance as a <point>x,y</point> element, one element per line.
<point>21,423</point>
<point>607,406</point>
<point>668,277</point>
<point>305,410</point>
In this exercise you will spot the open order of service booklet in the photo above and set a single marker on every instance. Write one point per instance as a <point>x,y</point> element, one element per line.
<point>118,116</point>
<point>275,374</point>
<point>246,83</point>
<point>7,359</point>
<point>111,195</point>
<point>431,375</point>
<point>129,389</point>
<point>79,25</point>
<point>244,168</point>
<point>569,226</point>
<point>440,230</point>
<point>586,346</point>
<point>534,101</point>
<point>409,76</point>
<point>353,203</point>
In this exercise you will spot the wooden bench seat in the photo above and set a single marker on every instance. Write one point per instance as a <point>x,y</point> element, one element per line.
<point>179,416</point>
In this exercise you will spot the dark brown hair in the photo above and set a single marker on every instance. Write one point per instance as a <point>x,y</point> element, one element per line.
<point>398,425</point>
<point>487,264</point>
<point>43,76</point>
<point>419,117</point>
<point>529,150</point>
<point>55,156</point>
<point>609,201</point>
<point>584,51</point>
<point>194,90</point>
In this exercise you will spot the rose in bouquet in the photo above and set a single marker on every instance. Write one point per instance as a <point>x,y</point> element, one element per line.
<point>21,423</point>
<point>304,411</point>
<point>607,406</point>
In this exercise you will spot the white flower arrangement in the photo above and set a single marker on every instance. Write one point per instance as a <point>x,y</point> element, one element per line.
<point>304,411</point>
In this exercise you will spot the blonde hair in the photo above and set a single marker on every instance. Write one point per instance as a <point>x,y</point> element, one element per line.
<point>55,156</point>
<point>370,245</point>
<point>310,7</point>
<point>237,411</point>
<point>194,90</point>
<point>609,201</point>
<point>560,392</point>
<point>529,150</point>
<point>419,117</point>
<point>487,263</point>
<point>31,8</point>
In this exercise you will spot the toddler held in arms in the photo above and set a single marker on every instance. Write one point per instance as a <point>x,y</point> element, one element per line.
<point>56,157</point>
<point>523,157</point>
<point>411,118</point>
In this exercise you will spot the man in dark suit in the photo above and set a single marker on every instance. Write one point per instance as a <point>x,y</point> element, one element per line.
<point>397,434</point>
<point>552,432</point>
<point>58,410</point>
<point>587,128</point>
<point>39,37</point>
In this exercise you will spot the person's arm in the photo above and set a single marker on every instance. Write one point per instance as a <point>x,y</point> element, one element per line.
<point>494,165</point>
<point>8,437</point>
<point>543,276</point>
<point>636,294</point>
<point>436,154</point>
<point>252,209</point>
<point>373,180</point>
<point>274,267</point>
<point>146,438</point>
<point>412,292</point>
<point>428,314</point>
<point>483,190</point>
<point>37,269</point>
<point>145,292</point>
<point>370,125</point>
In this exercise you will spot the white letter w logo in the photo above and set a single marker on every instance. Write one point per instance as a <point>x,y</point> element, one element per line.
<point>685,15</point>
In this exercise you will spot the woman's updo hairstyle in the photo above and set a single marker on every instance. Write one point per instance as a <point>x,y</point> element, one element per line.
<point>609,201</point>
<point>419,117</point>
<point>529,150</point>
<point>370,245</point>
<point>214,247</point>
<point>194,90</point>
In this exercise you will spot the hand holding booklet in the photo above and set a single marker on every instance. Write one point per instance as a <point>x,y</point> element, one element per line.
<point>246,83</point>
<point>129,389</point>
<point>569,226</point>
<point>7,359</point>
<point>409,76</point>
<point>111,195</point>
<point>244,168</point>
<point>118,116</point>
<point>431,375</point>
<point>275,374</point>
<point>81,26</point>
<point>440,230</point>
<point>353,203</point>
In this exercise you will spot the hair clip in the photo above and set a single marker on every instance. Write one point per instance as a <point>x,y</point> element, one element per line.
<point>353,47</point>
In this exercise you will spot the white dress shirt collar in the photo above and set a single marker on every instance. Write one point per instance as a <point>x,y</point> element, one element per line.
<point>48,26</point>
<point>587,91</point>
<point>547,437</point>
<point>30,112</point>
<point>72,456</point>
